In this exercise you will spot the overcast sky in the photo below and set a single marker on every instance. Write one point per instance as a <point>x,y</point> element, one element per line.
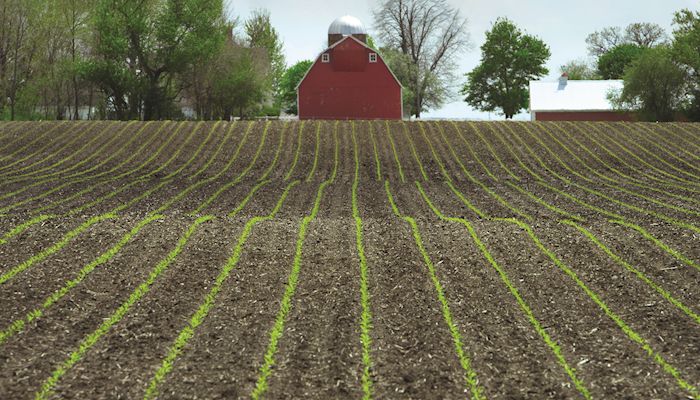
<point>564,26</point>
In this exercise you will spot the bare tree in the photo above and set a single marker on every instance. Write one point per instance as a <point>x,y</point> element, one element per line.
<point>430,33</point>
<point>645,34</point>
<point>600,42</point>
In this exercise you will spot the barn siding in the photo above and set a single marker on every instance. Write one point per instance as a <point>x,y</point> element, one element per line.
<point>350,87</point>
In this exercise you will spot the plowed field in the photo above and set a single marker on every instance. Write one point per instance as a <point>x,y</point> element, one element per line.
<point>349,260</point>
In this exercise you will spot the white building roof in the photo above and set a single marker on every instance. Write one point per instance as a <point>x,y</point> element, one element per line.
<point>572,95</point>
<point>347,25</point>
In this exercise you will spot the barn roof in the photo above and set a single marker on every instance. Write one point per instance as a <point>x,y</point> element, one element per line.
<point>561,95</point>
<point>335,45</point>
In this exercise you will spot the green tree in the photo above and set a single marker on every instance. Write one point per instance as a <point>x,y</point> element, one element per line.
<point>686,51</point>
<point>288,85</point>
<point>654,86</point>
<point>141,47</point>
<point>240,81</point>
<point>510,59</point>
<point>579,70</point>
<point>612,64</point>
<point>19,47</point>
<point>261,34</point>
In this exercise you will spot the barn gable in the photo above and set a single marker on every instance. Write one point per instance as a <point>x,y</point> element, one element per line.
<point>349,80</point>
<point>352,43</point>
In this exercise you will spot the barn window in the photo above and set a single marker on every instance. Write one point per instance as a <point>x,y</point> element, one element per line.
<point>373,57</point>
<point>326,58</point>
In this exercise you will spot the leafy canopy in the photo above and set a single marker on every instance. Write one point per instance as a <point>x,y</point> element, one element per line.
<point>686,51</point>
<point>510,59</point>
<point>261,34</point>
<point>141,46</point>
<point>612,64</point>
<point>655,86</point>
<point>288,85</point>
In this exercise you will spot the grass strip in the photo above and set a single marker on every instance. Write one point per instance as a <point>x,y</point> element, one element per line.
<point>286,303</point>
<point>666,148</point>
<point>407,134</point>
<point>39,138</point>
<point>610,139</point>
<point>393,150</point>
<point>47,386</point>
<point>478,182</point>
<point>56,247</point>
<point>377,163</point>
<point>240,176</point>
<point>470,376</point>
<point>664,293</point>
<point>24,226</point>
<point>592,128</point>
<point>296,153</point>
<point>662,217</point>
<point>656,156</point>
<point>247,199</point>
<point>634,336</point>
<point>275,160</point>
<point>77,137</point>
<point>436,157</point>
<point>626,178</point>
<point>318,143</point>
<point>95,153</point>
<point>612,185</point>
<point>545,204</point>
<point>679,136</point>
<point>677,255</point>
<point>498,134</point>
<point>491,149</point>
<point>19,324</point>
<point>474,154</point>
<point>41,182</point>
<point>366,316</point>
<point>534,155</point>
<point>66,184</point>
<point>13,129</point>
<point>200,315</point>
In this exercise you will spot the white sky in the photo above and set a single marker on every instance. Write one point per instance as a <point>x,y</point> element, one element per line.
<point>564,26</point>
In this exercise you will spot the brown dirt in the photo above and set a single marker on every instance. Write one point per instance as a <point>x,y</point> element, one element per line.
<point>319,355</point>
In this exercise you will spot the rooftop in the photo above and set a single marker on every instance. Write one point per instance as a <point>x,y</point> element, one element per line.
<point>561,95</point>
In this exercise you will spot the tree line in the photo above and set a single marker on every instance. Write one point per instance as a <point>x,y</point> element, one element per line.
<point>660,72</point>
<point>135,59</point>
<point>175,59</point>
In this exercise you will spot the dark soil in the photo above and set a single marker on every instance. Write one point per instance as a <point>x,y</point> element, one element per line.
<point>319,354</point>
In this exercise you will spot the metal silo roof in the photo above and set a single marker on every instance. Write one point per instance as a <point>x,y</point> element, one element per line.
<point>347,25</point>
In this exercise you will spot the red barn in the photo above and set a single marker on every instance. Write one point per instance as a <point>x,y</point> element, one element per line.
<point>349,80</point>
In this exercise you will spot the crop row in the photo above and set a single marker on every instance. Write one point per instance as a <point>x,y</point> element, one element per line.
<point>430,156</point>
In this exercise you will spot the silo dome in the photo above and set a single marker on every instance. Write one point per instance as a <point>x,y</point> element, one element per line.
<point>347,25</point>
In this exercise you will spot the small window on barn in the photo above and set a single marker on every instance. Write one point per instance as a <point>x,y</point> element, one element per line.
<point>326,58</point>
<point>373,57</point>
